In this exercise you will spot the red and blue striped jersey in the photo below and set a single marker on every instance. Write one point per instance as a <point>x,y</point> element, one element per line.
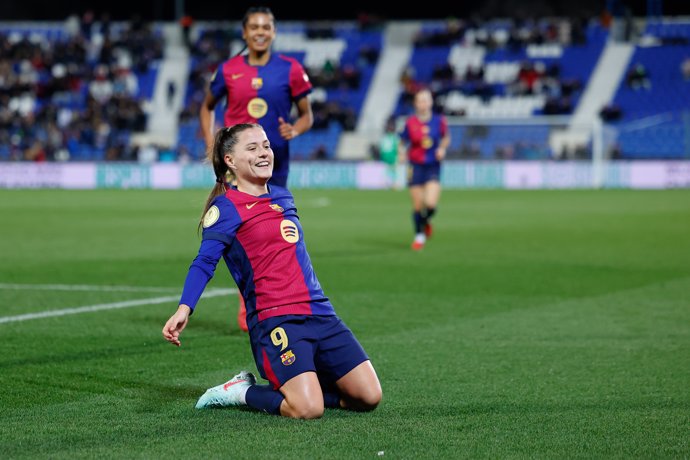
<point>261,240</point>
<point>423,138</point>
<point>261,94</point>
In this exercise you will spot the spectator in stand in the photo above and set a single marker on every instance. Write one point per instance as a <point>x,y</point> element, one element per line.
<point>101,88</point>
<point>638,77</point>
<point>125,84</point>
<point>685,68</point>
<point>186,22</point>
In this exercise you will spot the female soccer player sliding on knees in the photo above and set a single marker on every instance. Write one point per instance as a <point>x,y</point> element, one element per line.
<point>311,359</point>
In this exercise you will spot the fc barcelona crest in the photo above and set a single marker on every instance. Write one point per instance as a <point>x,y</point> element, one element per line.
<point>257,83</point>
<point>288,358</point>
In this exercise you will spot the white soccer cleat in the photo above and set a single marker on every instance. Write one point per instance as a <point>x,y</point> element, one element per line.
<point>231,393</point>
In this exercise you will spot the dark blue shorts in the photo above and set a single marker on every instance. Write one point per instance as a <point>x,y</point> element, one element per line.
<point>286,346</point>
<point>421,174</point>
<point>279,179</point>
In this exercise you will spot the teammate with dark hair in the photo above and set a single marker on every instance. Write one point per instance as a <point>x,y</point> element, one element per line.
<point>260,87</point>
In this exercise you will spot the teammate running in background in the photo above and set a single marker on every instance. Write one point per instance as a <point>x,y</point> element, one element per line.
<point>260,87</point>
<point>307,353</point>
<point>424,141</point>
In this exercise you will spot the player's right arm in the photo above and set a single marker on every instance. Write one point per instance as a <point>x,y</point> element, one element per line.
<point>177,322</point>
<point>403,141</point>
<point>200,273</point>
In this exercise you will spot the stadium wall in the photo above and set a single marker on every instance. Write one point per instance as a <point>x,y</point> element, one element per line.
<point>355,175</point>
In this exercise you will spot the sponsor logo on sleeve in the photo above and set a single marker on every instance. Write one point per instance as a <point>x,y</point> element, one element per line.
<point>211,216</point>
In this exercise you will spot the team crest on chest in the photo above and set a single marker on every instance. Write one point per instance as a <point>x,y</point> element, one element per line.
<point>257,83</point>
<point>277,207</point>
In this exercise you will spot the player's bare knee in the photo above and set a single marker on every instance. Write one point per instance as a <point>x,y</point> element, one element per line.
<point>368,400</point>
<point>372,399</point>
<point>308,411</point>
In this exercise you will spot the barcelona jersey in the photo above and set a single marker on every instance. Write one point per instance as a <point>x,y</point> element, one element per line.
<point>261,94</point>
<point>261,240</point>
<point>423,138</point>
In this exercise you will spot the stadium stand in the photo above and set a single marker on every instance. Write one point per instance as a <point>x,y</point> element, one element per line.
<point>652,102</point>
<point>82,89</point>
<point>76,89</point>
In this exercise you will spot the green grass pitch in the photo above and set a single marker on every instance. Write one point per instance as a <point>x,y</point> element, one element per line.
<point>535,324</point>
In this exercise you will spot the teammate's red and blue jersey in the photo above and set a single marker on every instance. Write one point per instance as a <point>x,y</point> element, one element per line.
<point>261,240</point>
<point>261,94</point>
<point>423,138</point>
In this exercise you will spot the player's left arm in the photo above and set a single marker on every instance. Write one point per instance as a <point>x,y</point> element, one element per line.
<point>445,140</point>
<point>304,121</point>
<point>300,88</point>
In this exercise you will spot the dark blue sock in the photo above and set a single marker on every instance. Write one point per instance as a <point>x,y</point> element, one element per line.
<point>418,222</point>
<point>264,398</point>
<point>429,212</point>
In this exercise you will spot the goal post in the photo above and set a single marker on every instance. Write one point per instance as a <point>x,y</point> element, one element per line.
<point>535,138</point>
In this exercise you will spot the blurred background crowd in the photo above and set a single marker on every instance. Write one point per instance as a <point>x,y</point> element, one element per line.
<point>102,84</point>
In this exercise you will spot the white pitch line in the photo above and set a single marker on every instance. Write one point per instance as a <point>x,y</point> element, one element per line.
<point>108,306</point>
<point>84,287</point>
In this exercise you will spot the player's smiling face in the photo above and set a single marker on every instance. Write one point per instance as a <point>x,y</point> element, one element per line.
<point>252,159</point>
<point>259,31</point>
<point>423,102</point>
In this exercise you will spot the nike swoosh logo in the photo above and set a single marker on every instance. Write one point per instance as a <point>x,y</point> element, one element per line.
<point>250,206</point>
<point>229,384</point>
<point>235,76</point>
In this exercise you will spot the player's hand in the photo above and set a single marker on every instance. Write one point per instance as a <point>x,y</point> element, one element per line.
<point>176,324</point>
<point>440,154</point>
<point>287,131</point>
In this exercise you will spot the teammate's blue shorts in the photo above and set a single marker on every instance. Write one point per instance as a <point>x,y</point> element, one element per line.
<point>279,179</point>
<point>286,346</point>
<point>421,174</point>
